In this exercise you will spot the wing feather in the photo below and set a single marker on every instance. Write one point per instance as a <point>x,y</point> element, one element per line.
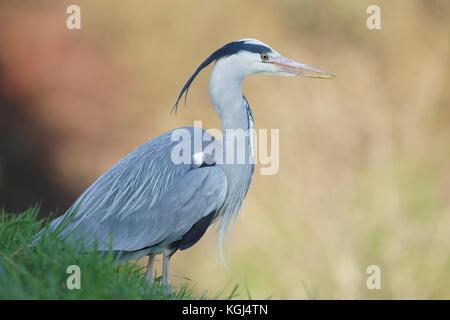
<point>145,199</point>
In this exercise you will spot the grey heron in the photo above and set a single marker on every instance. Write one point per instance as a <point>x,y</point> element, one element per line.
<point>151,205</point>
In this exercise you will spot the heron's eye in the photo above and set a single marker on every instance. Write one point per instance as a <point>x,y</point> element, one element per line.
<point>264,57</point>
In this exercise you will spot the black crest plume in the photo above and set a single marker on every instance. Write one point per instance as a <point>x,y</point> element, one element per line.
<point>227,50</point>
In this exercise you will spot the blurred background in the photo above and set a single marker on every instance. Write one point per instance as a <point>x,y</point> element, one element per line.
<point>364,159</point>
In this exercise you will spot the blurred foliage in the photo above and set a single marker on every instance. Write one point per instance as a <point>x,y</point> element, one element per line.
<point>365,160</point>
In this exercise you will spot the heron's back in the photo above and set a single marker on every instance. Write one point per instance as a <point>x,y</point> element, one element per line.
<point>125,197</point>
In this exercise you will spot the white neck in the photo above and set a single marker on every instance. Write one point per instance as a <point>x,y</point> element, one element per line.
<point>225,91</point>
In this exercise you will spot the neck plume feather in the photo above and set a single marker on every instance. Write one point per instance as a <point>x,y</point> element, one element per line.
<point>232,106</point>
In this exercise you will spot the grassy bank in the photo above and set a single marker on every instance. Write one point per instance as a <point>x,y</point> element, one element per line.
<point>41,272</point>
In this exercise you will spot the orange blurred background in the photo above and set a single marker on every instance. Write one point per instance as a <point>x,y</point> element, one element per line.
<point>364,159</point>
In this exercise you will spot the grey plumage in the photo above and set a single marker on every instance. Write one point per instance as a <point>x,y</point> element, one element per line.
<point>147,204</point>
<point>145,200</point>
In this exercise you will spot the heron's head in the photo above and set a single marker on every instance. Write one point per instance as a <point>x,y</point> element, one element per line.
<point>246,57</point>
<point>251,56</point>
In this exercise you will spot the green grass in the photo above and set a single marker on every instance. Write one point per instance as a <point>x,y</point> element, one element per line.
<point>41,272</point>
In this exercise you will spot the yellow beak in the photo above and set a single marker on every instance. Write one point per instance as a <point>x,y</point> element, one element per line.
<point>299,69</point>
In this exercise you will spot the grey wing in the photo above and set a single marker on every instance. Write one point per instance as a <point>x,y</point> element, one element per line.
<point>133,196</point>
<point>191,197</point>
<point>194,196</point>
